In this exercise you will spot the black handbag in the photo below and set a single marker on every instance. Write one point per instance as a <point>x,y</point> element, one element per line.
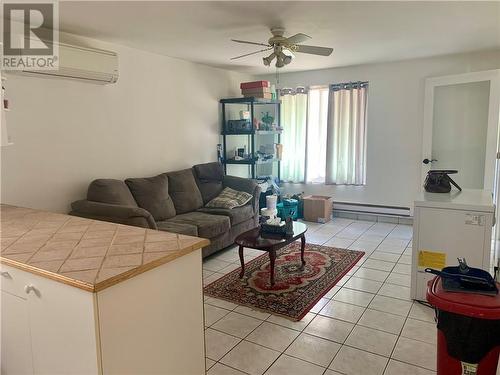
<point>438,181</point>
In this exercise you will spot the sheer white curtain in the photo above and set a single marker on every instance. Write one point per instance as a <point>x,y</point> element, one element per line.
<point>317,118</point>
<point>294,121</point>
<point>346,140</point>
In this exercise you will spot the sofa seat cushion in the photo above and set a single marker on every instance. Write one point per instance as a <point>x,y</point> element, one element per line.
<point>151,193</point>
<point>168,226</point>
<point>209,226</point>
<point>236,215</point>
<point>184,191</point>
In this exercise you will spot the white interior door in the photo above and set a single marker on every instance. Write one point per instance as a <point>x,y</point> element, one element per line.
<point>461,118</point>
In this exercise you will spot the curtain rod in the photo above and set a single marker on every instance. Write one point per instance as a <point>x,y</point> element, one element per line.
<point>333,87</point>
<point>290,91</point>
<point>348,85</point>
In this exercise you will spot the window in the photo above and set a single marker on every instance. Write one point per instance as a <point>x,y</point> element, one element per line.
<point>294,120</point>
<point>317,119</point>
<point>325,134</point>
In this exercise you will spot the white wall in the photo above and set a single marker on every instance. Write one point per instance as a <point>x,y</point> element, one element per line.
<point>395,122</point>
<point>161,115</point>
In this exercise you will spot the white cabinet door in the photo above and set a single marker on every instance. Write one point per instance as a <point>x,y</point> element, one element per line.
<point>48,328</point>
<point>63,328</point>
<point>16,349</point>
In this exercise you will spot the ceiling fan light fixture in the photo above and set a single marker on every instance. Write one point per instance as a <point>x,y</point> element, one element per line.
<point>279,61</point>
<point>287,59</point>
<point>267,60</point>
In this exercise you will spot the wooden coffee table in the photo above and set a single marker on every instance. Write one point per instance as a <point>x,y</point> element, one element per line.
<point>270,243</point>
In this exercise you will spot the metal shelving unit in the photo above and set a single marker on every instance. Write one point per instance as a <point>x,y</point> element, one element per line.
<point>251,104</point>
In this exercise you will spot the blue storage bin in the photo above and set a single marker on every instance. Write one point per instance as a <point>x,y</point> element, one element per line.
<point>288,207</point>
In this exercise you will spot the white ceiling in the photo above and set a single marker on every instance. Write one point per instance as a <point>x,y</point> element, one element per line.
<point>359,32</point>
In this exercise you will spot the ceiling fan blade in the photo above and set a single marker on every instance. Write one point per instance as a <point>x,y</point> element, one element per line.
<point>251,53</point>
<point>247,42</point>
<point>314,50</point>
<point>297,38</point>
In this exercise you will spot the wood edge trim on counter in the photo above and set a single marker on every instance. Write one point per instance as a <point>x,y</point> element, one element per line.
<point>50,275</point>
<point>94,288</point>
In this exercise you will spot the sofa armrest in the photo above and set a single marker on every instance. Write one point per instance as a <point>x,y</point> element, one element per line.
<point>246,185</point>
<point>128,215</point>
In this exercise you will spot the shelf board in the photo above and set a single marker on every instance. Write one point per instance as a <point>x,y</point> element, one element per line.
<point>267,161</point>
<point>245,161</point>
<point>249,101</point>
<point>251,162</point>
<point>265,132</point>
<point>239,133</point>
<point>256,132</point>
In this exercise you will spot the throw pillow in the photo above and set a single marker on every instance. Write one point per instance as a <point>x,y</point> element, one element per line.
<point>151,193</point>
<point>230,198</point>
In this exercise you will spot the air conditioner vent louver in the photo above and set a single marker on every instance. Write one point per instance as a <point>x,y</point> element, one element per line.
<point>82,63</point>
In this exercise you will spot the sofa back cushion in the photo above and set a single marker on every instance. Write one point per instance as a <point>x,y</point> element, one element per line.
<point>152,194</point>
<point>110,191</point>
<point>209,177</point>
<point>184,191</point>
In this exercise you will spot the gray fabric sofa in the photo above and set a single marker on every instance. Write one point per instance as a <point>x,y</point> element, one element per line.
<point>174,202</point>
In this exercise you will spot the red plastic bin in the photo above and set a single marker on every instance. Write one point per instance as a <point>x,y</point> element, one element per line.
<point>462,315</point>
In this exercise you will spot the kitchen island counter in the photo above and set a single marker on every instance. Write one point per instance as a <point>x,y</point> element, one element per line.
<point>88,254</point>
<point>82,296</point>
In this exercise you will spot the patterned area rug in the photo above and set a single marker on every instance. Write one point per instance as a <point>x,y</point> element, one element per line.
<point>296,289</point>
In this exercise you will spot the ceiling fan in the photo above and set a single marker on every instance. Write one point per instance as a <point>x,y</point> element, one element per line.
<point>284,48</point>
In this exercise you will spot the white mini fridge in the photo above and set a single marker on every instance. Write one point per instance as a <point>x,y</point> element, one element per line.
<point>447,226</point>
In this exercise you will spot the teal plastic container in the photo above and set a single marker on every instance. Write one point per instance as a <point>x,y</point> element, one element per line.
<point>288,207</point>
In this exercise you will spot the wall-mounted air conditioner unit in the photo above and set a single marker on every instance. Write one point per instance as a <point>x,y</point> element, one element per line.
<point>83,63</point>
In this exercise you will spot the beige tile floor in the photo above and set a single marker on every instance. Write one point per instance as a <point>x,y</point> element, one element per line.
<point>365,325</point>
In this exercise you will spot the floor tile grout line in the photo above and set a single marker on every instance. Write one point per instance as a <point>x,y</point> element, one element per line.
<point>411,364</point>
<point>234,368</point>
<point>303,331</point>
<point>305,360</point>
<point>222,317</point>
<point>244,339</point>
<point>372,300</point>
<point>322,244</point>
<point>283,352</point>
<point>228,334</point>
<point>399,336</point>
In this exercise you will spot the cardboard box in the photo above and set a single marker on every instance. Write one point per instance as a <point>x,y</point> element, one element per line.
<point>318,208</point>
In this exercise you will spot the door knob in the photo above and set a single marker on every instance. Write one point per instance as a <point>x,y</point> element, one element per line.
<point>427,161</point>
<point>6,274</point>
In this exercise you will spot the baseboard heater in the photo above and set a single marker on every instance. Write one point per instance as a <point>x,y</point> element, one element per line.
<point>361,208</point>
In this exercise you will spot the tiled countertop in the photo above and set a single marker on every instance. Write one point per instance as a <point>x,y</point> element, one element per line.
<point>88,254</point>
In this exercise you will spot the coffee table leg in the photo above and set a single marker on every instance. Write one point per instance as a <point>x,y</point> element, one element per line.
<point>302,248</point>
<point>242,261</point>
<point>272,258</point>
